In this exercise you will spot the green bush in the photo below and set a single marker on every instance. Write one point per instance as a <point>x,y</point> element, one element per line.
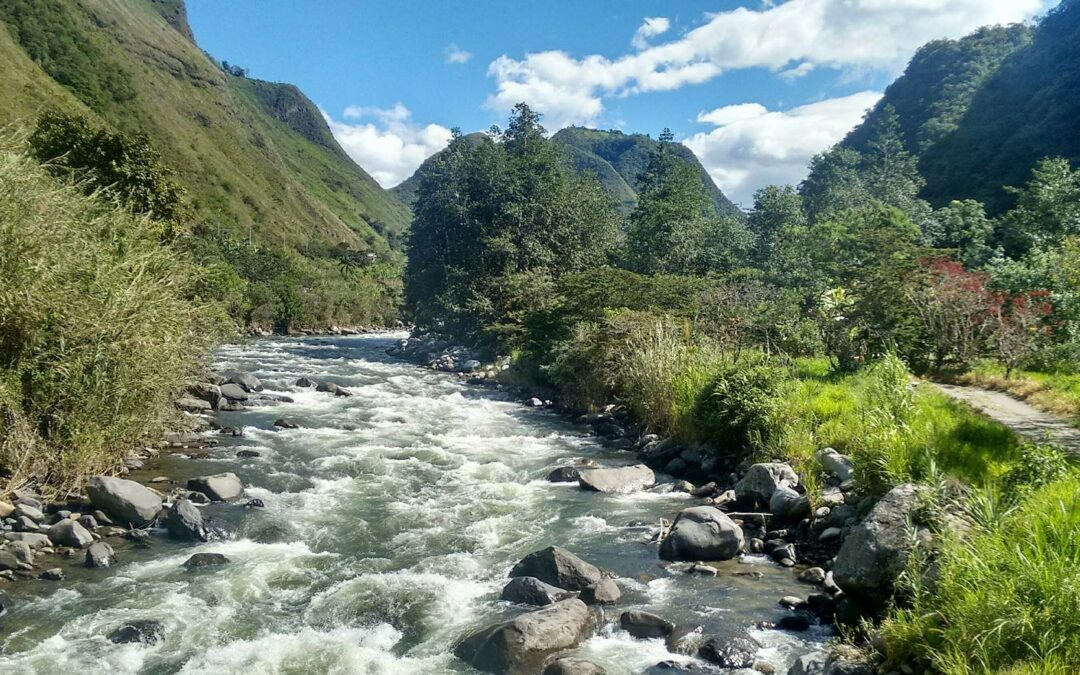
<point>1037,465</point>
<point>736,409</point>
<point>1006,599</point>
<point>97,328</point>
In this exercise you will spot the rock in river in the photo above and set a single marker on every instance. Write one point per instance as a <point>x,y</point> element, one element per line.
<point>124,500</point>
<point>220,487</point>
<point>558,567</point>
<point>246,380</point>
<point>70,533</point>
<point>100,554</point>
<point>205,560</point>
<point>147,632</point>
<point>572,665</point>
<point>234,392</point>
<point>532,591</point>
<point>759,483</point>
<point>644,625</point>
<point>617,480</point>
<point>184,522</point>
<point>702,533</point>
<point>520,646</point>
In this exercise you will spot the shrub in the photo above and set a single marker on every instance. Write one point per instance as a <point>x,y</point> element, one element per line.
<point>97,330</point>
<point>1037,465</point>
<point>737,407</point>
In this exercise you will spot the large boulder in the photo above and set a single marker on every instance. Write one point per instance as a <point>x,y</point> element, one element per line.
<point>100,554</point>
<point>558,567</point>
<point>125,501</point>
<point>702,533</point>
<point>183,521</point>
<point>603,592</point>
<point>246,380</point>
<point>532,591</point>
<point>205,391</point>
<point>644,625</point>
<point>617,480</point>
<point>760,482</point>
<point>34,540</point>
<point>193,405</point>
<point>729,652</point>
<point>522,645</point>
<point>875,553</point>
<point>220,487</point>
<point>70,533</point>
<point>234,392</point>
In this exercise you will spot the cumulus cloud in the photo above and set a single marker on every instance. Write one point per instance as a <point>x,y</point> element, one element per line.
<point>386,142</point>
<point>752,147</point>
<point>455,54</point>
<point>791,39</point>
<point>652,26</point>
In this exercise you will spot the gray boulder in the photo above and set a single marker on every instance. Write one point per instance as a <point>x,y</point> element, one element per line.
<point>220,487</point>
<point>729,652</point>
<point>205,391</point>
<point>34,540</point>
<point>875,553</point>
<point>617,480</point>
<point>70,533</point>
<point>246,380</point>
<point>522,645</point>
<point>702,533</point>
<point>30,512</point>
<point>787,504</point>
<point>761,481</point>
<point>835,464</point>
<point>603,592</point>
<point>285,423</point>
<point>8,561</point>
<point>183,521</point>
<point>564,474</point>
<point>808,664</point>
<point>306,382</point>
<point>193,405</point>
<point>644,625</point>
<point>532,591</point>
<point>125,501</point>
<point>100,554</point>
<point>234,392</point>
<point>558,567</point>
<point>571,665</point>
<point>146,631</point>
<point>21,550</point>
<point>205,560</point>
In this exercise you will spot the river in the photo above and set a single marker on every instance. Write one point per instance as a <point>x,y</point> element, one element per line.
<point>392,519</point>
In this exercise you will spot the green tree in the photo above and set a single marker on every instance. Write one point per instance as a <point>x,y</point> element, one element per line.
<point>776,209</point>
<point>834,183</point>
<point>963,226</point>
<point>1047,209</point>
<point>674,229</point>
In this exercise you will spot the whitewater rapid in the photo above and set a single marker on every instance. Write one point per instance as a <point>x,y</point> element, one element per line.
<point>392,518</point>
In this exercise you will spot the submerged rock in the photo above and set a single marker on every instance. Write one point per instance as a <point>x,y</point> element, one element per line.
<point>702,533</point>
<point>124,500</point>
<point>564,474</point>
<point>145,631</point>
<point>558,567</point>
<point>205,560</point>
<point>285,423</point>
<point>617,480</point>
<point>522,645</point>
<point>572,665</point>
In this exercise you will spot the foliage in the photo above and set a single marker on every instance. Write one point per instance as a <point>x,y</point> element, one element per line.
<point>777,209</point>
<point>736,409</point>
<point>495,223</point>
<point>97,328</point>
<point>125,167</point>
<point>1038,465</point>
<point>1019,327</point>
<point>1005,599</point>
<point>963,226</point>
<point>955,308</point>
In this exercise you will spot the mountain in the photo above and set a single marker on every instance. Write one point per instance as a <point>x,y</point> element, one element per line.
<point>256,158</point>
<point>616,158</point>
<point>981,111</point>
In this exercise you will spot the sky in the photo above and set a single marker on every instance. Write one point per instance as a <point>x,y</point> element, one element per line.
<point>754,87</point>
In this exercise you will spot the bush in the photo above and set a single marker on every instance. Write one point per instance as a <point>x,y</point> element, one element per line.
<point>97,330</point>
<point>1038,465</point>
<point>1006,600</point>
<point>737,408</point>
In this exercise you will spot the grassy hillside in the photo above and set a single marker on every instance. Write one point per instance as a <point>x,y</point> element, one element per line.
<point>256,158</point>
<point>618,159</point>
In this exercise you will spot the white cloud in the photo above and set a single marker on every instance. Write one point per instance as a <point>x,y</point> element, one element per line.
<point>388,145</point>
<point>455,54</point>
<point>753,147</point>
<point>790,39</point>
<point>652,26</point>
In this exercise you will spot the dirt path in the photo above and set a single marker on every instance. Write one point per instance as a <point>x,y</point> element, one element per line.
<point>1031,423</point>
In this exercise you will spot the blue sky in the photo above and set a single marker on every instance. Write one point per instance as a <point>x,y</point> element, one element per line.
<point>753,87</point>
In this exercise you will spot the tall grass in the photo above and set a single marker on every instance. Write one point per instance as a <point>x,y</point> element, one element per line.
<point>1007,599</point>
<point>97,332</point>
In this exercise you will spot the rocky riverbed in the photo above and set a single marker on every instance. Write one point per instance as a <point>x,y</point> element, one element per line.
<point>354,513</point>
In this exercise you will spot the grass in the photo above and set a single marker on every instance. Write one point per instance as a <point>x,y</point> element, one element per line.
<point>1007,599</point>
<point>98,331</point>
<point>1057,393</point>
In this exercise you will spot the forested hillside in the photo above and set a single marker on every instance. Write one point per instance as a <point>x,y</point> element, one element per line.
<point>278,208</point>
<point>981,111</point>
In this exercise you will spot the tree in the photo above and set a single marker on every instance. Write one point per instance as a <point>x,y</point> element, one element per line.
<point>955,308</point>
<point>674,228</point>
<point>1020,327</point>
<point>1047,209</point>
<point>964,227</point>
<point>890,172</point>
<point>834,183</point>
<point>776,209</point>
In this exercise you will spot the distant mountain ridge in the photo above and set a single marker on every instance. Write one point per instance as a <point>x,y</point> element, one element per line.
<point>616,158</point>
<point>257,158</point>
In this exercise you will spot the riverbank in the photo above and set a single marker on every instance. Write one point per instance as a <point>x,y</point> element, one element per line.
<point>427,578</point>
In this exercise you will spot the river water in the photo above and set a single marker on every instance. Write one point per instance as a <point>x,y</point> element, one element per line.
<point>392,518</point>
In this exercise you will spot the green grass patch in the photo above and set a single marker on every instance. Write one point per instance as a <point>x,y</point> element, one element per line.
<point>1057,393</point>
